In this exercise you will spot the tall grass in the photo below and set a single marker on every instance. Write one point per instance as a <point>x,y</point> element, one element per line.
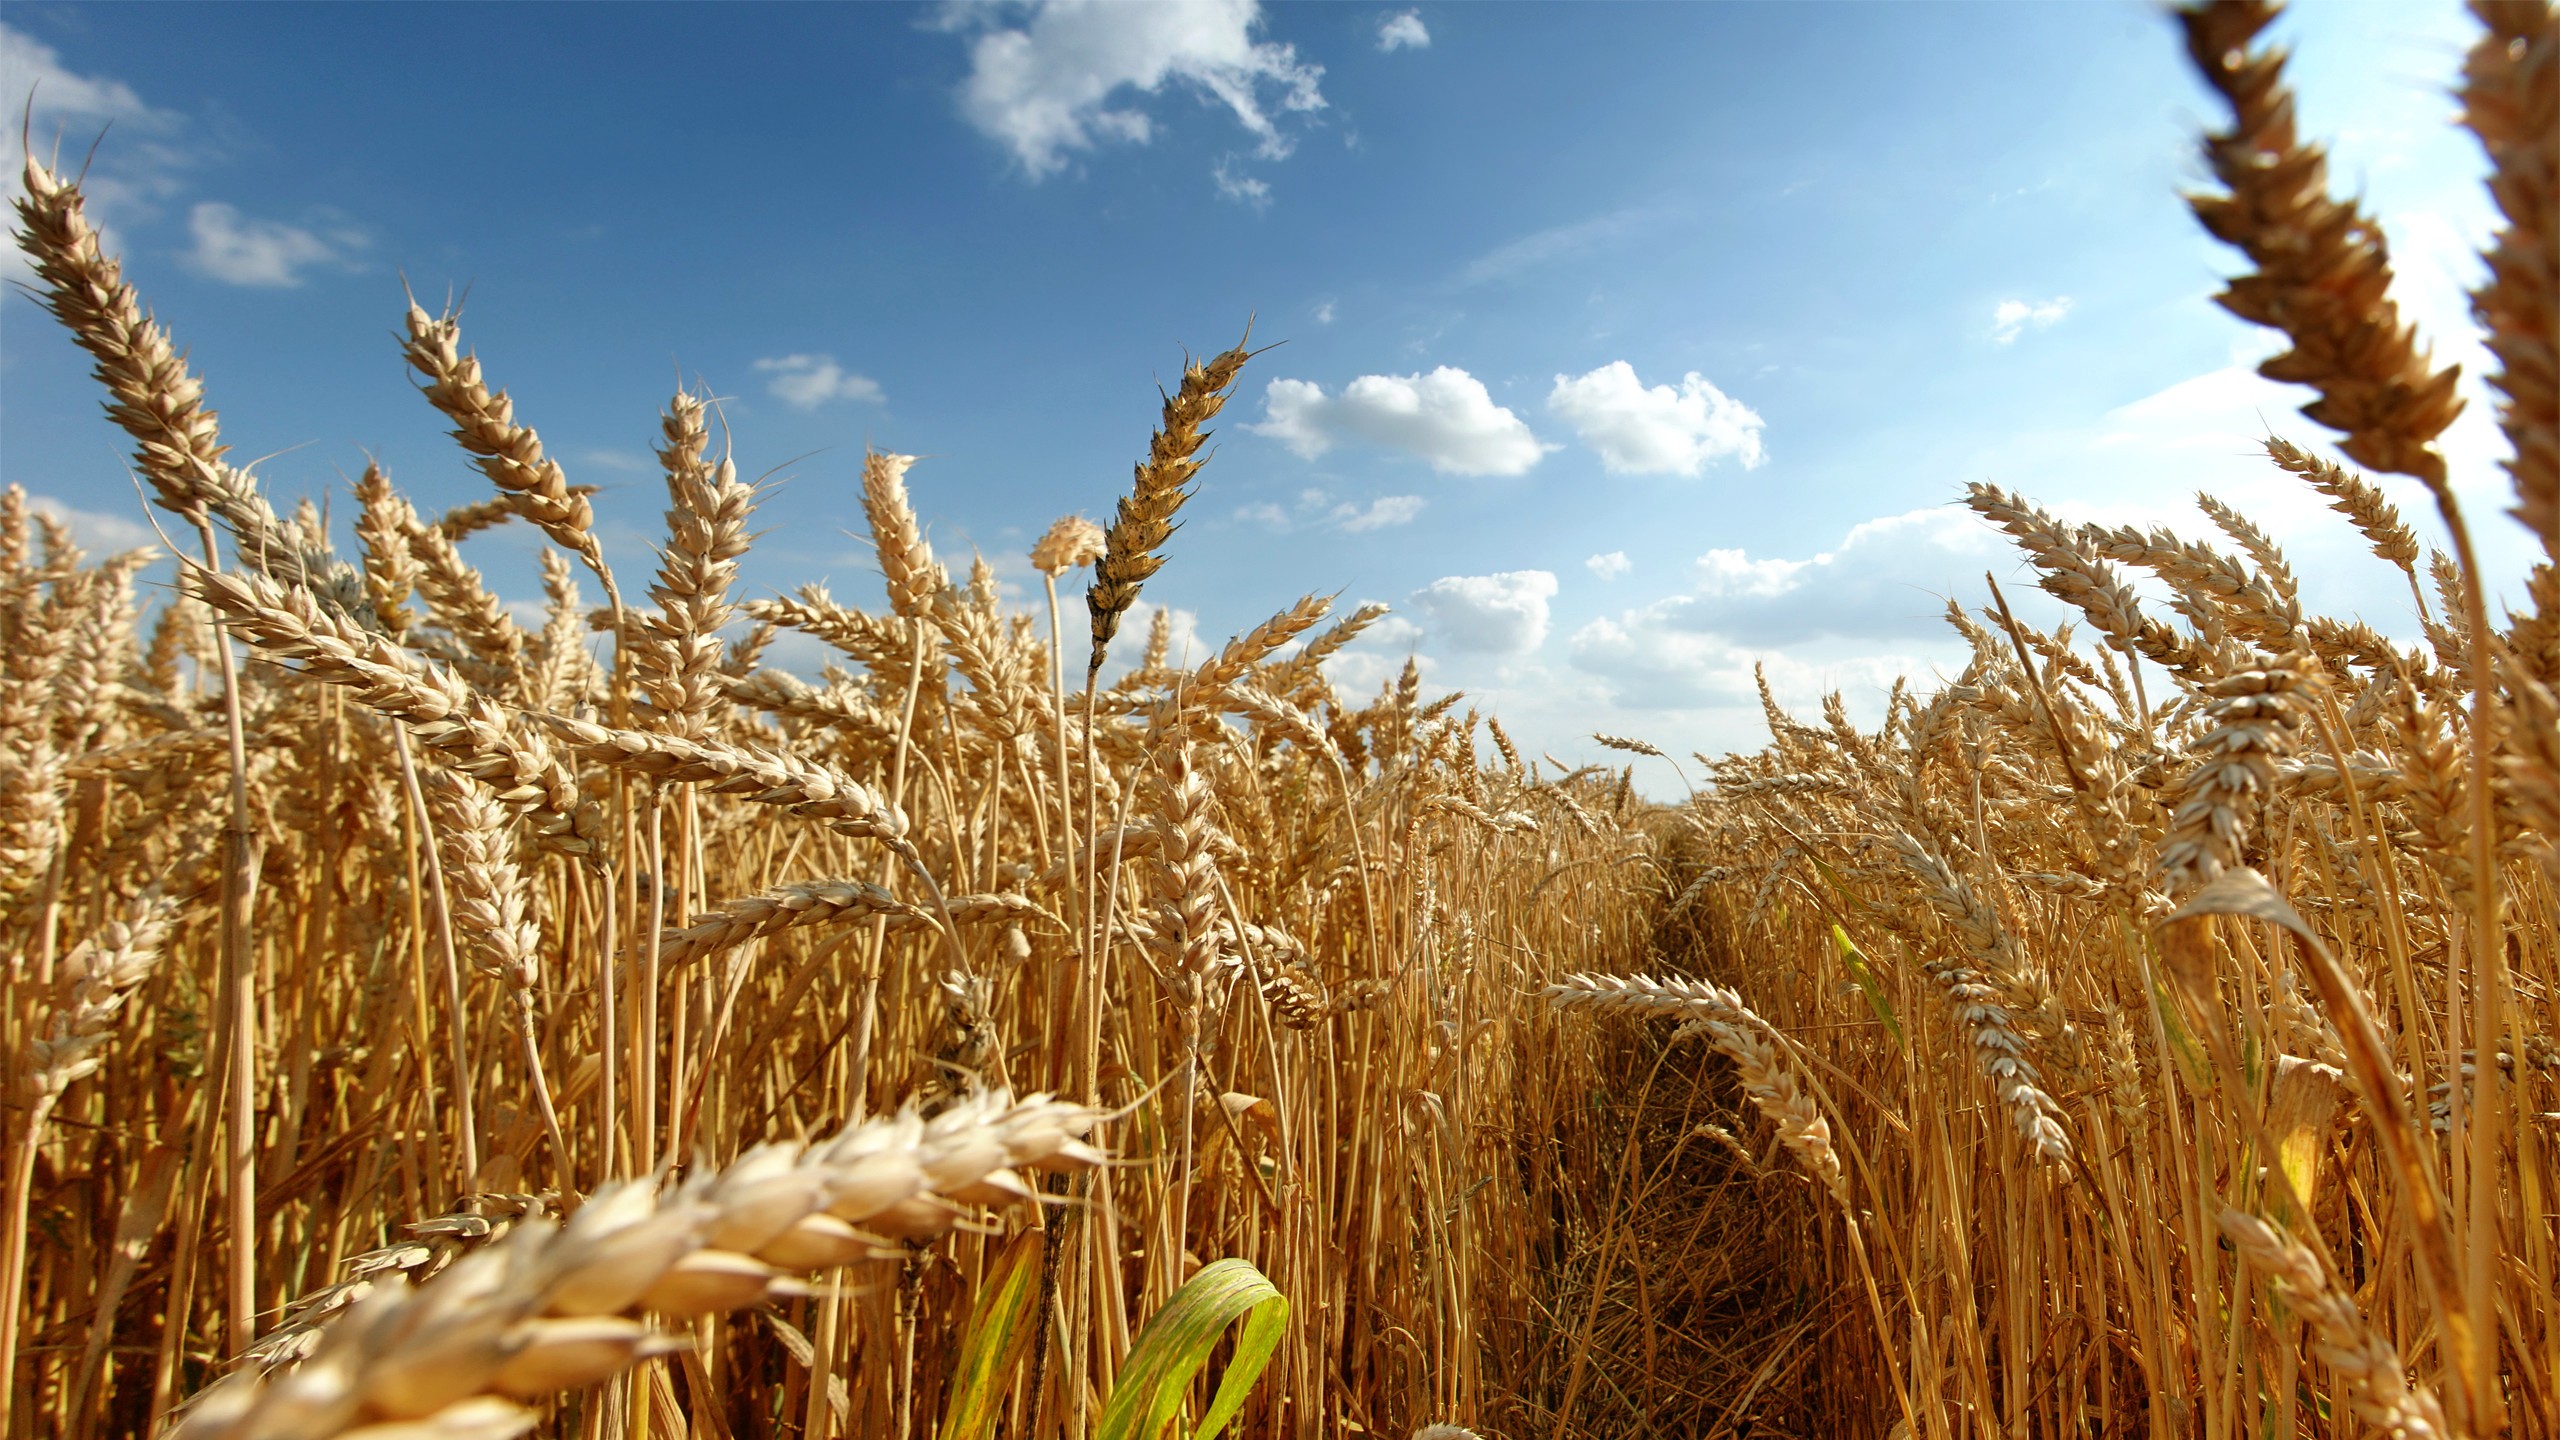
<point>426,1024</point>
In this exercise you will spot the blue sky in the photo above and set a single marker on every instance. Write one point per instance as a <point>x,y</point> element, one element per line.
<point>1625,345</point>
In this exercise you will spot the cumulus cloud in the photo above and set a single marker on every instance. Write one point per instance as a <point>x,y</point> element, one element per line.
<point>2012,318</point>
<point>1502,614</point>
<point>1053,86</point>
<point>1446,418</point>
<point>1609,566</point>
<point>809,381</point>
<point>237,250</point>
<point>1403,30</point>
<point>1379,513</point>
<point>1656,430</point>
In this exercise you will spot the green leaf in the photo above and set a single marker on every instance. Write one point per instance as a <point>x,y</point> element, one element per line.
<point>1176,1346</point>
<point>1855,961</point>
<point>997,1341</point>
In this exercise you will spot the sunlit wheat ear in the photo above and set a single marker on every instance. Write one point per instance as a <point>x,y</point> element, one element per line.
<point>768,777</point>
<point>1144,522</point>
<point>459,600</point>
<point>2511,100</point>
<point>2070,569</point>
<point>1070,541</point>
<point>484,424</point>
<point>2351,495</point>
<point>158,400</point>
<point>1737,1034</point>
<point>2254,714</point>
<point>828,902</point>
<point>548,1308</point>
<point>2341,1339</point>
<point>105,970</point>
<point>2322,272</point>
<point>915,581</point>
<point>391,573</point>
<point>478,739</point>
<point>677,653</point>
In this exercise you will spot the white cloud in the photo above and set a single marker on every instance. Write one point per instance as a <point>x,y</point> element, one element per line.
<point>1048,88</point>
<point>1887,578</point>
<point>1859,614</point>
<point>1653,658</point>
<point>32,70</point>
<point>2011,318</point>
<point>1554,243</point>
<point>809,381</point>
<point>1403,30</point>
<point>1183,646</point>
<point>1445,417</point>
<point>236,250</point>
<point>97,532</point>
<point>1502,614</point>
<point>1241,188</point>
<point>1324,313</point>
<point>1610,566</point>
<point>1656,430</point>
<point>1384,511</point>
<point>1265,514</point>
<point>1733,572</point>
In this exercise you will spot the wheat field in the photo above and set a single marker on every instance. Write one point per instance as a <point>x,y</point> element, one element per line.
<point>420,1023</point>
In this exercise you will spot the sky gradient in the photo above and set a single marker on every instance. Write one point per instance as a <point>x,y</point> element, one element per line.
<point>1618,347</point>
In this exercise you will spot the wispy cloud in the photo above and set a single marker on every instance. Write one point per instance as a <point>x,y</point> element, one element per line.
<point>1610,566</point>
<point>1656,430</point>
<point>2012,318</point>
<point>1055,85</point>
<point>809,381</point>
<point>239,250</point>
<point>1446,418</point>
<point>1556,243</point>
<point>1403,30</point>
<point>1316,510</point>
<point>1234,184</point>
<point>1378,514</point>
<point>95,530</point>
<point>145,170</point>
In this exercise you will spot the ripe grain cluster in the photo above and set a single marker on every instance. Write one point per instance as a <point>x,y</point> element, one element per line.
<point>424,1022</point>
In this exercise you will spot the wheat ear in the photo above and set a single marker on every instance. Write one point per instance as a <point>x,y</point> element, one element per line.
<point>549,1308</point>
<point>2322,271</point>
<point>2349,1347</point>
<point>2511,100</point>
<point>1132,546</point>
<point>511,455</point>
<point>287,624</point>
<point>1739,1035</point>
